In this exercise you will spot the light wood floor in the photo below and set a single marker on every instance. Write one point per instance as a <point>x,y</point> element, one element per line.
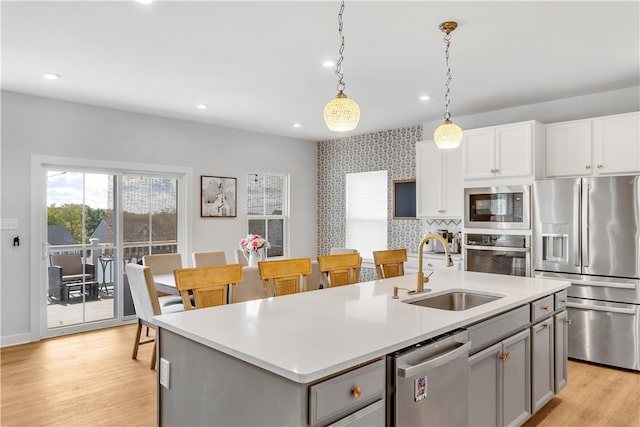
<point>90,379</point>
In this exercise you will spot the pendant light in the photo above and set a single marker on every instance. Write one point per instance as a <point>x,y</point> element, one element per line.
<point>341,114</point>
<point>448,135</point>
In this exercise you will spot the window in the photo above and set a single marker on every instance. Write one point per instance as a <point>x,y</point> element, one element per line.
<point>366,212</point>
<point>268,210</point>
<point>150,215</point>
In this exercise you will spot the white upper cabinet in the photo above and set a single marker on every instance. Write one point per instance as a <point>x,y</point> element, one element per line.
<point>479,153</point>
<point>568,148</point>
<point>503,151</point>
<point>616,144</point>
<point>439,190</point>
<point>602,145</point>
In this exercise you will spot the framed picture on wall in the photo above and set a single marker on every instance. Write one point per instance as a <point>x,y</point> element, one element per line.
<point>404,199</point>
<point>218,196</point>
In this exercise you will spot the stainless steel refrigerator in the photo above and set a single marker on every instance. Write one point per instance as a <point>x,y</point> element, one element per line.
<point>587,231</point>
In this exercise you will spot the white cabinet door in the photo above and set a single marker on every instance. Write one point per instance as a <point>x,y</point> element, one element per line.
<point>428,180</point>
<point>568,148</point>
<point>439,187</point>
<point>514,150</point>
<point>479,155</point>
<point>453,188</point>
<point>503,151</point>
<point>616,144</point>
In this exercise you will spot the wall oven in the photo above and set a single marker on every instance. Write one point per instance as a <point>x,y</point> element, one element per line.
<point>508,254</point>
<point>503,208</point>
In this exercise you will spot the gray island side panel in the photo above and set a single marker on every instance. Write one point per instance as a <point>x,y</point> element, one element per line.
<point>207,388</point>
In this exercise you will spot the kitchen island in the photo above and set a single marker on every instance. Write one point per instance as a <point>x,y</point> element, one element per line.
<point>261,362</point>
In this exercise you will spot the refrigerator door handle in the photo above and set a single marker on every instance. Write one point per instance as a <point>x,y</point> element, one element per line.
<point>603,284</point>
<point>600,308</point>
<point>575,236</point>
<point>585,226</point>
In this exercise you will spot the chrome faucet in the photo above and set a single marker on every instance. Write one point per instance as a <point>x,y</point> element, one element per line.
<point>421,279</point>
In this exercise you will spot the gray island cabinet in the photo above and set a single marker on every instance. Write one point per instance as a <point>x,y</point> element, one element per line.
<point>319,358</point>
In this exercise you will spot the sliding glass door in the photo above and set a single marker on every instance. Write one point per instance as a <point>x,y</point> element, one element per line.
<point>97,222</point>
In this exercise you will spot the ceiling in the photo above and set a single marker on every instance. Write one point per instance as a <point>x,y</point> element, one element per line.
<point>258,65</point>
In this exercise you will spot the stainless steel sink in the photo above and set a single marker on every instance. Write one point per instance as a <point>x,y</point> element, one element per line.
<point>455,300</point>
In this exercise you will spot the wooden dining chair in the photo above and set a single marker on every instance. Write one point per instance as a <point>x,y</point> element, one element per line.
<point>340,269</point>
<point>209,258</point>
<point>147,304</point>
<point>390,263</point>
<point>209,285</point>
<point>285,276</point>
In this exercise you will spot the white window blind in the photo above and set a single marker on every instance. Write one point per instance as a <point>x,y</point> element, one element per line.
<point>366,213</point>
<point>267,210</point>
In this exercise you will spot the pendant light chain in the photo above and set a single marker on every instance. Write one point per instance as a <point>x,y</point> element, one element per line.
<point>448,134</point>
<point>341,114</point>
<point>339,73</point>
<point>447,101</point>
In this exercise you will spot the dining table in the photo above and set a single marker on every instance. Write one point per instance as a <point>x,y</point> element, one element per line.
<point>166,283</point>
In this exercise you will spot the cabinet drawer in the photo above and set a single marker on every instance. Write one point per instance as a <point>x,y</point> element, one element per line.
<point>339,396</point>
<point>372,415</point>
<point>561,300</point>
<point>542,308</point>
<point>490,331</point>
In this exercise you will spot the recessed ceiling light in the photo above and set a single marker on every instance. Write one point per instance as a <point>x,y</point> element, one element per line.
<point>202,106</point>
<point>51,76</point>
<point>297,125</point>
<point>145,1</point>
<point>328,64</point>
<point>425,98</point>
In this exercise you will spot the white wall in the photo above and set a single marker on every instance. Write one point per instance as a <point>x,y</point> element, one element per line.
<point>40,126</point>
<point>579,107</point>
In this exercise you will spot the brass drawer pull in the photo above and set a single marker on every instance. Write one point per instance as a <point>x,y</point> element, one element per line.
<point>563,300</point>
<point>497,170</point>
<point>599,166</point>
<point>441,211</point>
<point>588,167</point>
<point>545,308</point>
<point>356,392</point>
<point>546,326</point>
<point>568,321</point>
<point>505,356</point>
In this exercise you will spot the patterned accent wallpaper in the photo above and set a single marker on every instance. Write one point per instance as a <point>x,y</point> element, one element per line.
<point>391,150</point>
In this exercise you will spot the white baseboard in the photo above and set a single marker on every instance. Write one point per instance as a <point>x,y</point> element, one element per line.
<point>15,340</point>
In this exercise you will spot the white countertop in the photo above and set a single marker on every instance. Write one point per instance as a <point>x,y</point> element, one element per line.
<point>307,336</point>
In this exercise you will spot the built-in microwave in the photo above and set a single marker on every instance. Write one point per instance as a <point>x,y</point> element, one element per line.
<point>503,208</point>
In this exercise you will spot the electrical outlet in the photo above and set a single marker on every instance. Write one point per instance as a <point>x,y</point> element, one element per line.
<point>9,223</point>
<point>165,370</point>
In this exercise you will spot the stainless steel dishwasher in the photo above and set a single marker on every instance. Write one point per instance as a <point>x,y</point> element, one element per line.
<point>428,383</point>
